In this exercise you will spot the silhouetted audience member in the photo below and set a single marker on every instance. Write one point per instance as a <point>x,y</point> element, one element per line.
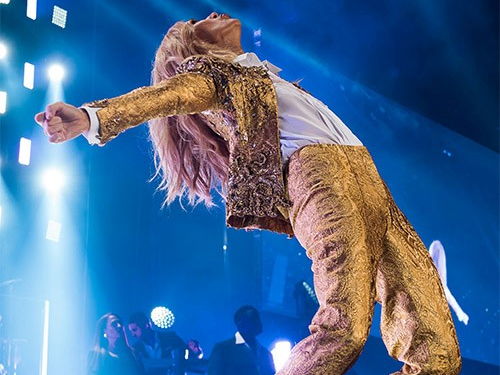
<point>160,352</point>
<point>111,354</point>
<point>243,354</point>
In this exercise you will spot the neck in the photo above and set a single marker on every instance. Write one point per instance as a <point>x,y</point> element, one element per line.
<point>111,344</point>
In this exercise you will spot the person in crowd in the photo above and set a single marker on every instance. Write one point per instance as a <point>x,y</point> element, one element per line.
<point>222,119</point>
<point>242,354</point>
<point>160,351</point>
<point>111,354</point>
<point>194,350</point>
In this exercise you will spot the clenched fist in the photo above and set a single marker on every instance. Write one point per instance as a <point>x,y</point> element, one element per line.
<point>62,122</point>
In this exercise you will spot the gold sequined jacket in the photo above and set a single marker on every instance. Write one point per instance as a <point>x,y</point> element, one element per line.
<point>240,104</point>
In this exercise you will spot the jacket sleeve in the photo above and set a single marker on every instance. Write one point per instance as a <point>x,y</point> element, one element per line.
<point>181,94</point>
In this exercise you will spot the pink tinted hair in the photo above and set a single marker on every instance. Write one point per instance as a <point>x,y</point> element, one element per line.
<point>190,158</point>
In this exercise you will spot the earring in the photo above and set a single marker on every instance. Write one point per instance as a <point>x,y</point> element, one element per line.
<point>105,336</point>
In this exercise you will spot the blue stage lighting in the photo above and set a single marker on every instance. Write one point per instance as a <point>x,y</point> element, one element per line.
<point>162,317</point>
<point>281,352</point>
<point>56,73</point>
<point>59,16</point>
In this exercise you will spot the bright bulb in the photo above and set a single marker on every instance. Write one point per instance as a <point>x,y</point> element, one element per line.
<point>53,180</point>
<point>56,73</point>
<point>162,317</point>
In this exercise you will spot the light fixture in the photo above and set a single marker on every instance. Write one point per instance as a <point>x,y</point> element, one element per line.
<point>56,73</point>
<point>3,51</point>
<point>24,151</point>
<point>29,76</point>
<point>53,180</point>
<point>162,317</point>
<point>59,16</point>
<point>31,9</point>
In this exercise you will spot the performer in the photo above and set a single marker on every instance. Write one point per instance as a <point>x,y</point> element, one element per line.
<point>284,162</point>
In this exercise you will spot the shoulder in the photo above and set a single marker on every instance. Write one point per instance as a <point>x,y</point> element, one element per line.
<point>224,345</point>
<point>203,64</point>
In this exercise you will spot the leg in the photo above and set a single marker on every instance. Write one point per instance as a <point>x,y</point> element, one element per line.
<point>416,325</point>
<point>330,221</point>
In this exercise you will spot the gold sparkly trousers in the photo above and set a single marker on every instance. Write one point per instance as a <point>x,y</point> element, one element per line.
<point>364,250</point>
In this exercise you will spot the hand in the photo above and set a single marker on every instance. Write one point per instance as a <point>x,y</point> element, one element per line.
<point>62,122</point>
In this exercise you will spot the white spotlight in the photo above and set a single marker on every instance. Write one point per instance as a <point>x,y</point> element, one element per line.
<point>53,180</point>
<point>162,317</point>
<point>281,352</point>
<point>3,102</point>
<point>31,9</point>
<point>56,73</point>
<point>29,76</point>
<point>3,51</point>
<point>24,151</point>
<point>4,1</point>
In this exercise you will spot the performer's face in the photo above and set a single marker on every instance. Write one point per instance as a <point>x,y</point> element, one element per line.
<point>221,30</point>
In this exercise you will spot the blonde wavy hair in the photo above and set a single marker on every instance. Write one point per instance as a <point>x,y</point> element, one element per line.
<point>190,158</point>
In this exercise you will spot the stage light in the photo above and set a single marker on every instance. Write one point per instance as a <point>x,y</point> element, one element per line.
<point>3,51</point>
<point>162,317</point>
<point>53,180</point>
<point>59,17</point>
<point>4,1</point>
<point>3,102</point>
<point>53,232</point>
<point>29,76</point>
<point>31,9</point>
<point>45,345</point>
<point>281,352</point>
<point>24,151</point>
<point>56,73</point>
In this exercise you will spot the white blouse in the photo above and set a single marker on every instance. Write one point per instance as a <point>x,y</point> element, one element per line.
<point>303,119</point>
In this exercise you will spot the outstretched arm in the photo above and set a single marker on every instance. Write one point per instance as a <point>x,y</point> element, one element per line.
<point>181,94</point>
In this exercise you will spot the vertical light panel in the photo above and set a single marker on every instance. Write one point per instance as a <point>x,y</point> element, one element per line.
<point>3,102</point>
<point>29,76</point>
<point>24,151</point>
<point>45,346</point>
<point>0,216</point>
<point>31,9</point>
<point>59,16</point>
<point>3,51</point>
<point>53,231</point>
